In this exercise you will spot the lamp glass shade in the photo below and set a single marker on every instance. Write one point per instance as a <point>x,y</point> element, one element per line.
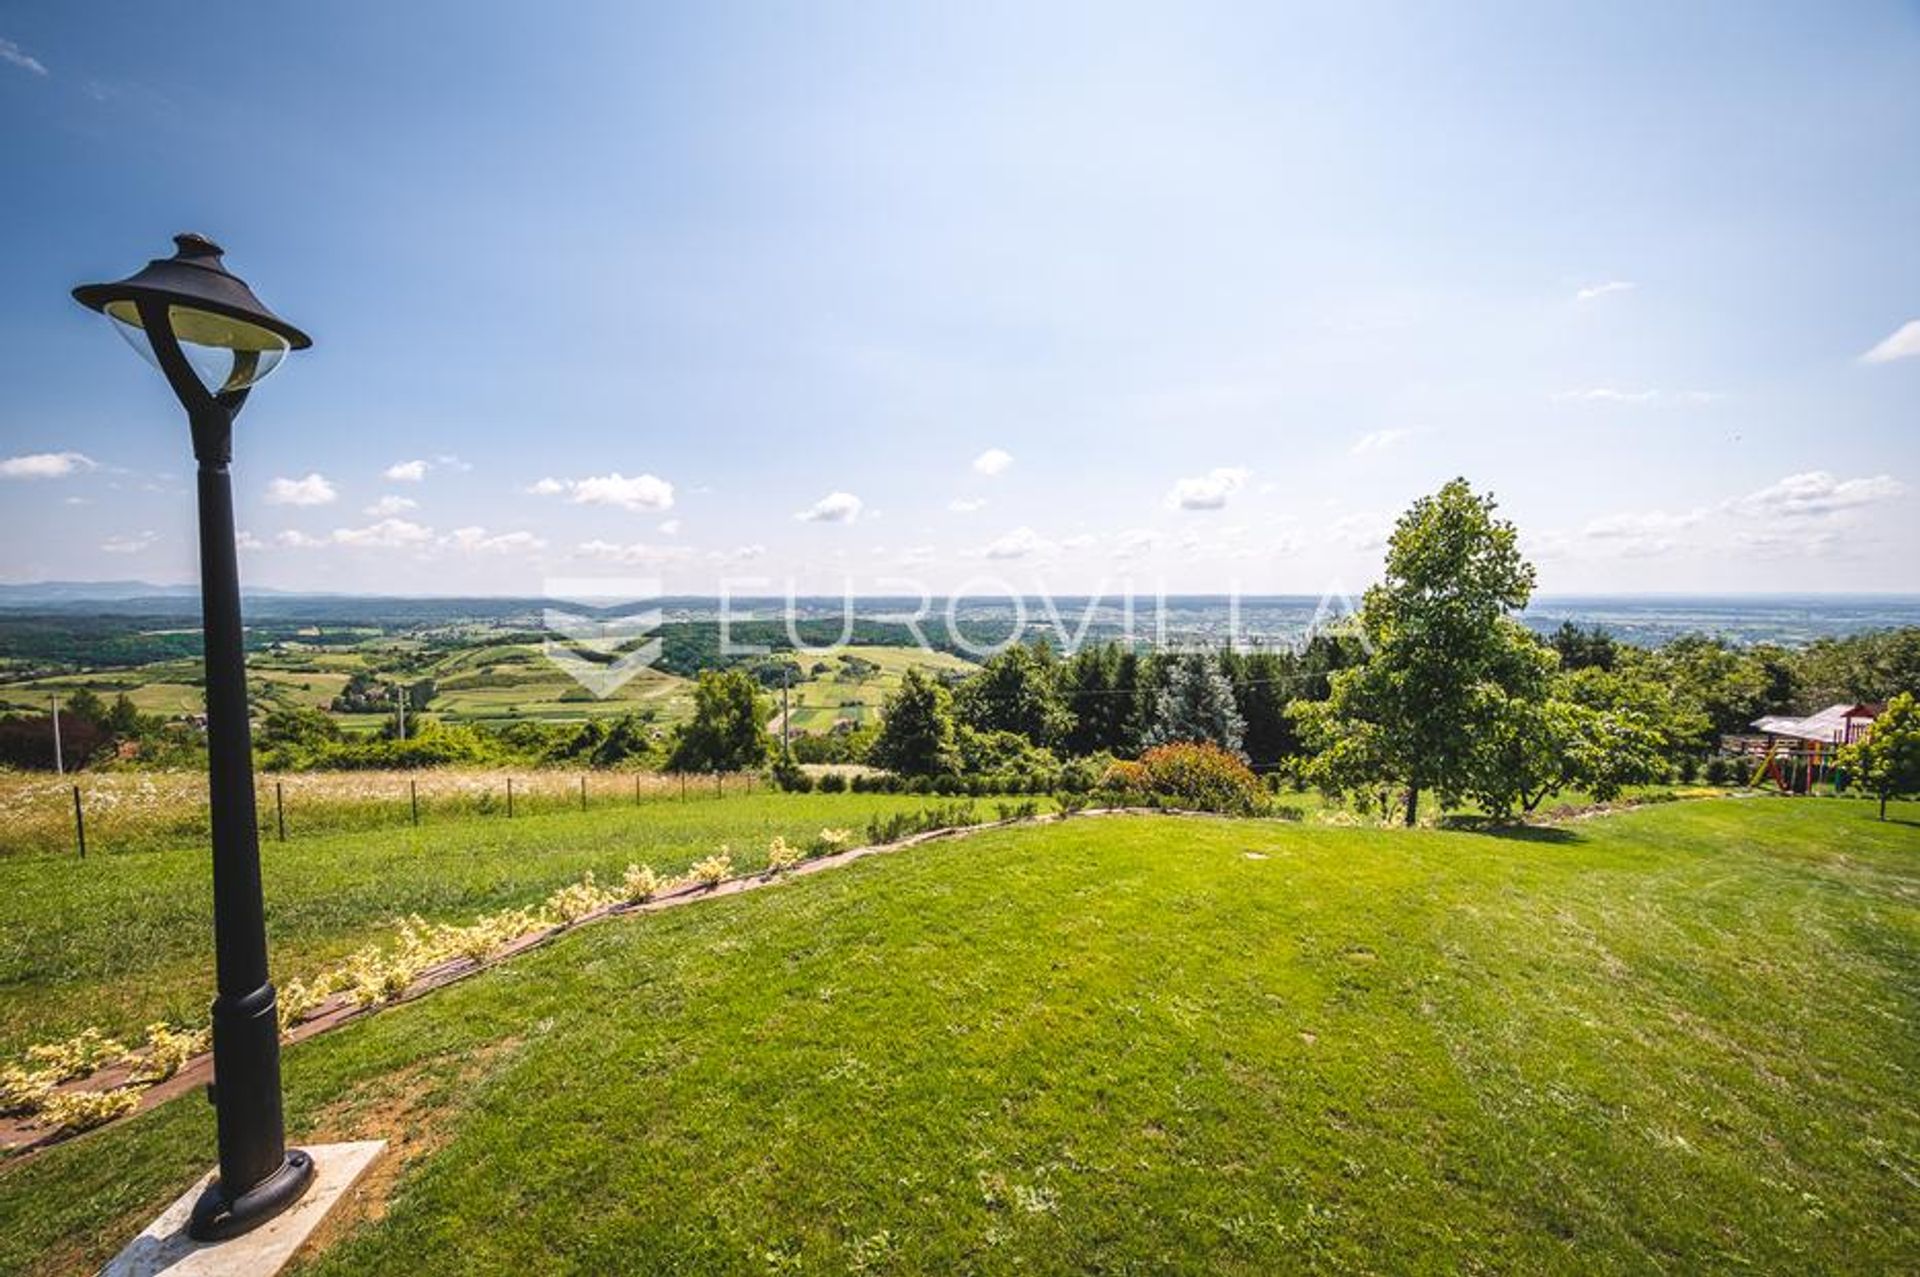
<point>225,353</point>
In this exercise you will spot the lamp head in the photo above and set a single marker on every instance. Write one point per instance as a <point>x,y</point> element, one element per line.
<point>228,335</point>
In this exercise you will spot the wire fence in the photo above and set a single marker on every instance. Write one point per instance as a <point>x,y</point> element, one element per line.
<point>117,812</point>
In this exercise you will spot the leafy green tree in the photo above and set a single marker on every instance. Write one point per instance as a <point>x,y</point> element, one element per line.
<point>1197,705</point>
<point>1017,690</point>
<point>124,720</point>
<point>1447,655</point>
<point>86,706</point>
<point>1886,762</point>
<point>1533,748</point>
<point>916,729</point>
<point>301,726</point>
<point>1581,648</point>
<point>728,731</point>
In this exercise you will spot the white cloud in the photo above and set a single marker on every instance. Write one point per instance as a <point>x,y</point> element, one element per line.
<point>669,527</point>
<point>1018,544</point>
<point>45,465</point>
<point>245,540</point>
<point>1902,343</point>
<point>1134,543</point>
<point>993,461</point>
<point>1210,491</point>
<point>638,553</point>
<point>1606,394</point>
<point>1637,534</point>
<point>1592,291</point>
<point>915,556</point>
<point>476,541</point>
<point>1379,441</point>
<point>1080,541</point>
<point>388,506</point>
<point>387,534</point>
<point>14,55</point>
<point>128,544</point>
<point>312,490</point>
<point>642,492</point>
<point>967,505</point>
<point>835,507</point>
<point>1816,494</point>
<point>1364,531</point>
<point>548,487</point>
<point>447,461</point>
<point>294,539</point>
<point>405,472</point>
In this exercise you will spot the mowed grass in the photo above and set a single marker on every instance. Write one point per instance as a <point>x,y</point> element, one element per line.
<point>1679,1039</point>
<point>116,941</point>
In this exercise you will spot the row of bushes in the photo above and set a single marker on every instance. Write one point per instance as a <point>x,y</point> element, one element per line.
<point>1195,776</point>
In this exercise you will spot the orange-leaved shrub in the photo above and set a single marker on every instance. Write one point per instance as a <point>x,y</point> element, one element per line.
<point>1195,775</point>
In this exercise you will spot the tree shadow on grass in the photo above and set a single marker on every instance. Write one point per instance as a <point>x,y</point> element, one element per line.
<point>1550,834</point>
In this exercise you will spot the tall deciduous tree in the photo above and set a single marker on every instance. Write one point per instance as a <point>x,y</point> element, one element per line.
<point>728,731</point>
<point>1887,762</point>
<point>1017,691</point>
<point>916,731</point>
<point>1447,655</point>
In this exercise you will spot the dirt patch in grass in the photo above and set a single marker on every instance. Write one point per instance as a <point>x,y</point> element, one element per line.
<point>416,1110</point>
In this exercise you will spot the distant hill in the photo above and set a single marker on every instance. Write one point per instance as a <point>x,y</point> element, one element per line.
<point>41,593</point>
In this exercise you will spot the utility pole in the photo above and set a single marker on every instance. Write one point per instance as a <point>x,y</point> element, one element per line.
<point>786,753</point>
<point>59,761</point>
<point>400,699</point>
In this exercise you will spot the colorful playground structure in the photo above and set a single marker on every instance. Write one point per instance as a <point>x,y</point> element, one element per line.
<point>1796,754</point>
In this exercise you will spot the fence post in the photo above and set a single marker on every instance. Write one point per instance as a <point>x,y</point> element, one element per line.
<point>683,786</point>
<point>280,808</point>
<point>749,784</point>
<point>636,789</point>
<point>719,785</point>
<point>79,823</point>
<point>413,796</point>
<point>583,791</point>
<point>509,798</point>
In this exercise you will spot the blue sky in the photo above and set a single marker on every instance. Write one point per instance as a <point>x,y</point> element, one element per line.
<point>1058,296</point>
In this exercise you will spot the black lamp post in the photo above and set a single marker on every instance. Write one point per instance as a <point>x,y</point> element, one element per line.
<point>213,339</point>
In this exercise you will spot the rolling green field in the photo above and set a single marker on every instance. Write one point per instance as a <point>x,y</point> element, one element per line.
<point>854,693</point>
<point>1677,1039</point>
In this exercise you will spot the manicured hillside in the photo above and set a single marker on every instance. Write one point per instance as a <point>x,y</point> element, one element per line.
<point>1678,1039</point>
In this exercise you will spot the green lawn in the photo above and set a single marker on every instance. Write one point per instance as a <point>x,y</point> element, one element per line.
<point>1678,1039</point>
<point>119,940</point>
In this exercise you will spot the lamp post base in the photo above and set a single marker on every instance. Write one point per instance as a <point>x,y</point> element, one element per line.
<point>164,1247</point>
<point>216,1218</point>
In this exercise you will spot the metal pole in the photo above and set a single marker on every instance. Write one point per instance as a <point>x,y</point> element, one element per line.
<point>79,823</point>
<point>280,808</point>
<point>786,717</point>
<point>259,1175</point>
<point>59,759</point>
<point>400,700</point>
